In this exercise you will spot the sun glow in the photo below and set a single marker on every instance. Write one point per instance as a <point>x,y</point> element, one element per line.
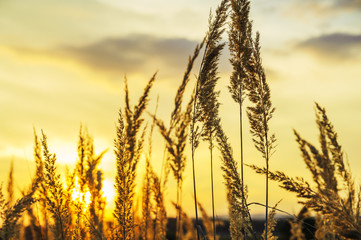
<point>108,190</point>
<point>81,196</point>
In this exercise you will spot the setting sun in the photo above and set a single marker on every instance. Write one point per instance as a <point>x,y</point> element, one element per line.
<point>109,191</point>
<point>81,196</point>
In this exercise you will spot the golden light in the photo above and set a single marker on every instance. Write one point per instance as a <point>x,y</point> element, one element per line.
<point>109,191</point>
<point>109,194</point>
<point>79,196</point>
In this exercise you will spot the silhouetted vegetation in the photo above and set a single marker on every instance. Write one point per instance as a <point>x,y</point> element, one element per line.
<point>73,206</point>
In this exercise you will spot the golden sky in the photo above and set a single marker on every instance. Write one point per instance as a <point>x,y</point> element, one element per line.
<point>62,63</point>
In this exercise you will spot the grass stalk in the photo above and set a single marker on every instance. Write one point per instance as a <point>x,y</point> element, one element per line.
<point>338,206</point>
<point>205,106</point>
<point>212,188</point>
<point>128,148</point>
<point>260,113</point>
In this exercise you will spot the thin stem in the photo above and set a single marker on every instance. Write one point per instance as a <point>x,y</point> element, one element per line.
<point>193,151</point>
<point>277,209</point>
<point>241,145</point>
<point>178,212</point>
<point>213,220</point>
<point>194,188</point>
<point>267,166</point>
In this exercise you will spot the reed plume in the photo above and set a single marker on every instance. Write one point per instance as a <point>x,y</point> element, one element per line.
<point>241,50</point>
<point>11,210</point>
<point>42,192</point>
<point>88,179</point>
<point>240,226</point>
<point>153,189</point>
<point>240,47</point>
<point>261,112</point>
<point>147,205</point>
<point>11,213</point>
<point>128,148</point>
<point>335,196</point>
<point>55,199</point>
<point>205,106</point>
<point>177,134</point>
<point>34,226</point>
<point>146,201</point>
<point>176,139</point>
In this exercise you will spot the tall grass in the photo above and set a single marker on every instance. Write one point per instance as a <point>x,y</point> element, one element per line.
<point>160,221</point>
<point>56,201</point>
<point>89,178</point>
<point>261,113</point>
<point>335,196</point>
<point>240,47</point>
<point>240,222</point>
<point>176,139</point>
<point>205,107</point>
<point>74,207</point>
<point>128,148</point>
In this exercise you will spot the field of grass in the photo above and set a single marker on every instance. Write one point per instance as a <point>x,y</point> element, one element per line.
<point>72,205</point>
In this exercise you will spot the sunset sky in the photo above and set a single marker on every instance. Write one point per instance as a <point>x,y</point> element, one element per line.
<point>63,63</point>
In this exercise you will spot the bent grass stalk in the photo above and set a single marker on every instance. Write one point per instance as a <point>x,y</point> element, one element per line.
<point>176,136</point>
<point>205,106</point>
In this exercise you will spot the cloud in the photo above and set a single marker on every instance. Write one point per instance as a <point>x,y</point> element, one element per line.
<point>336,45</point>
<point>348,4</point>
<point>133,53</point>
<point>116,56</point>
<point>322,9</point>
